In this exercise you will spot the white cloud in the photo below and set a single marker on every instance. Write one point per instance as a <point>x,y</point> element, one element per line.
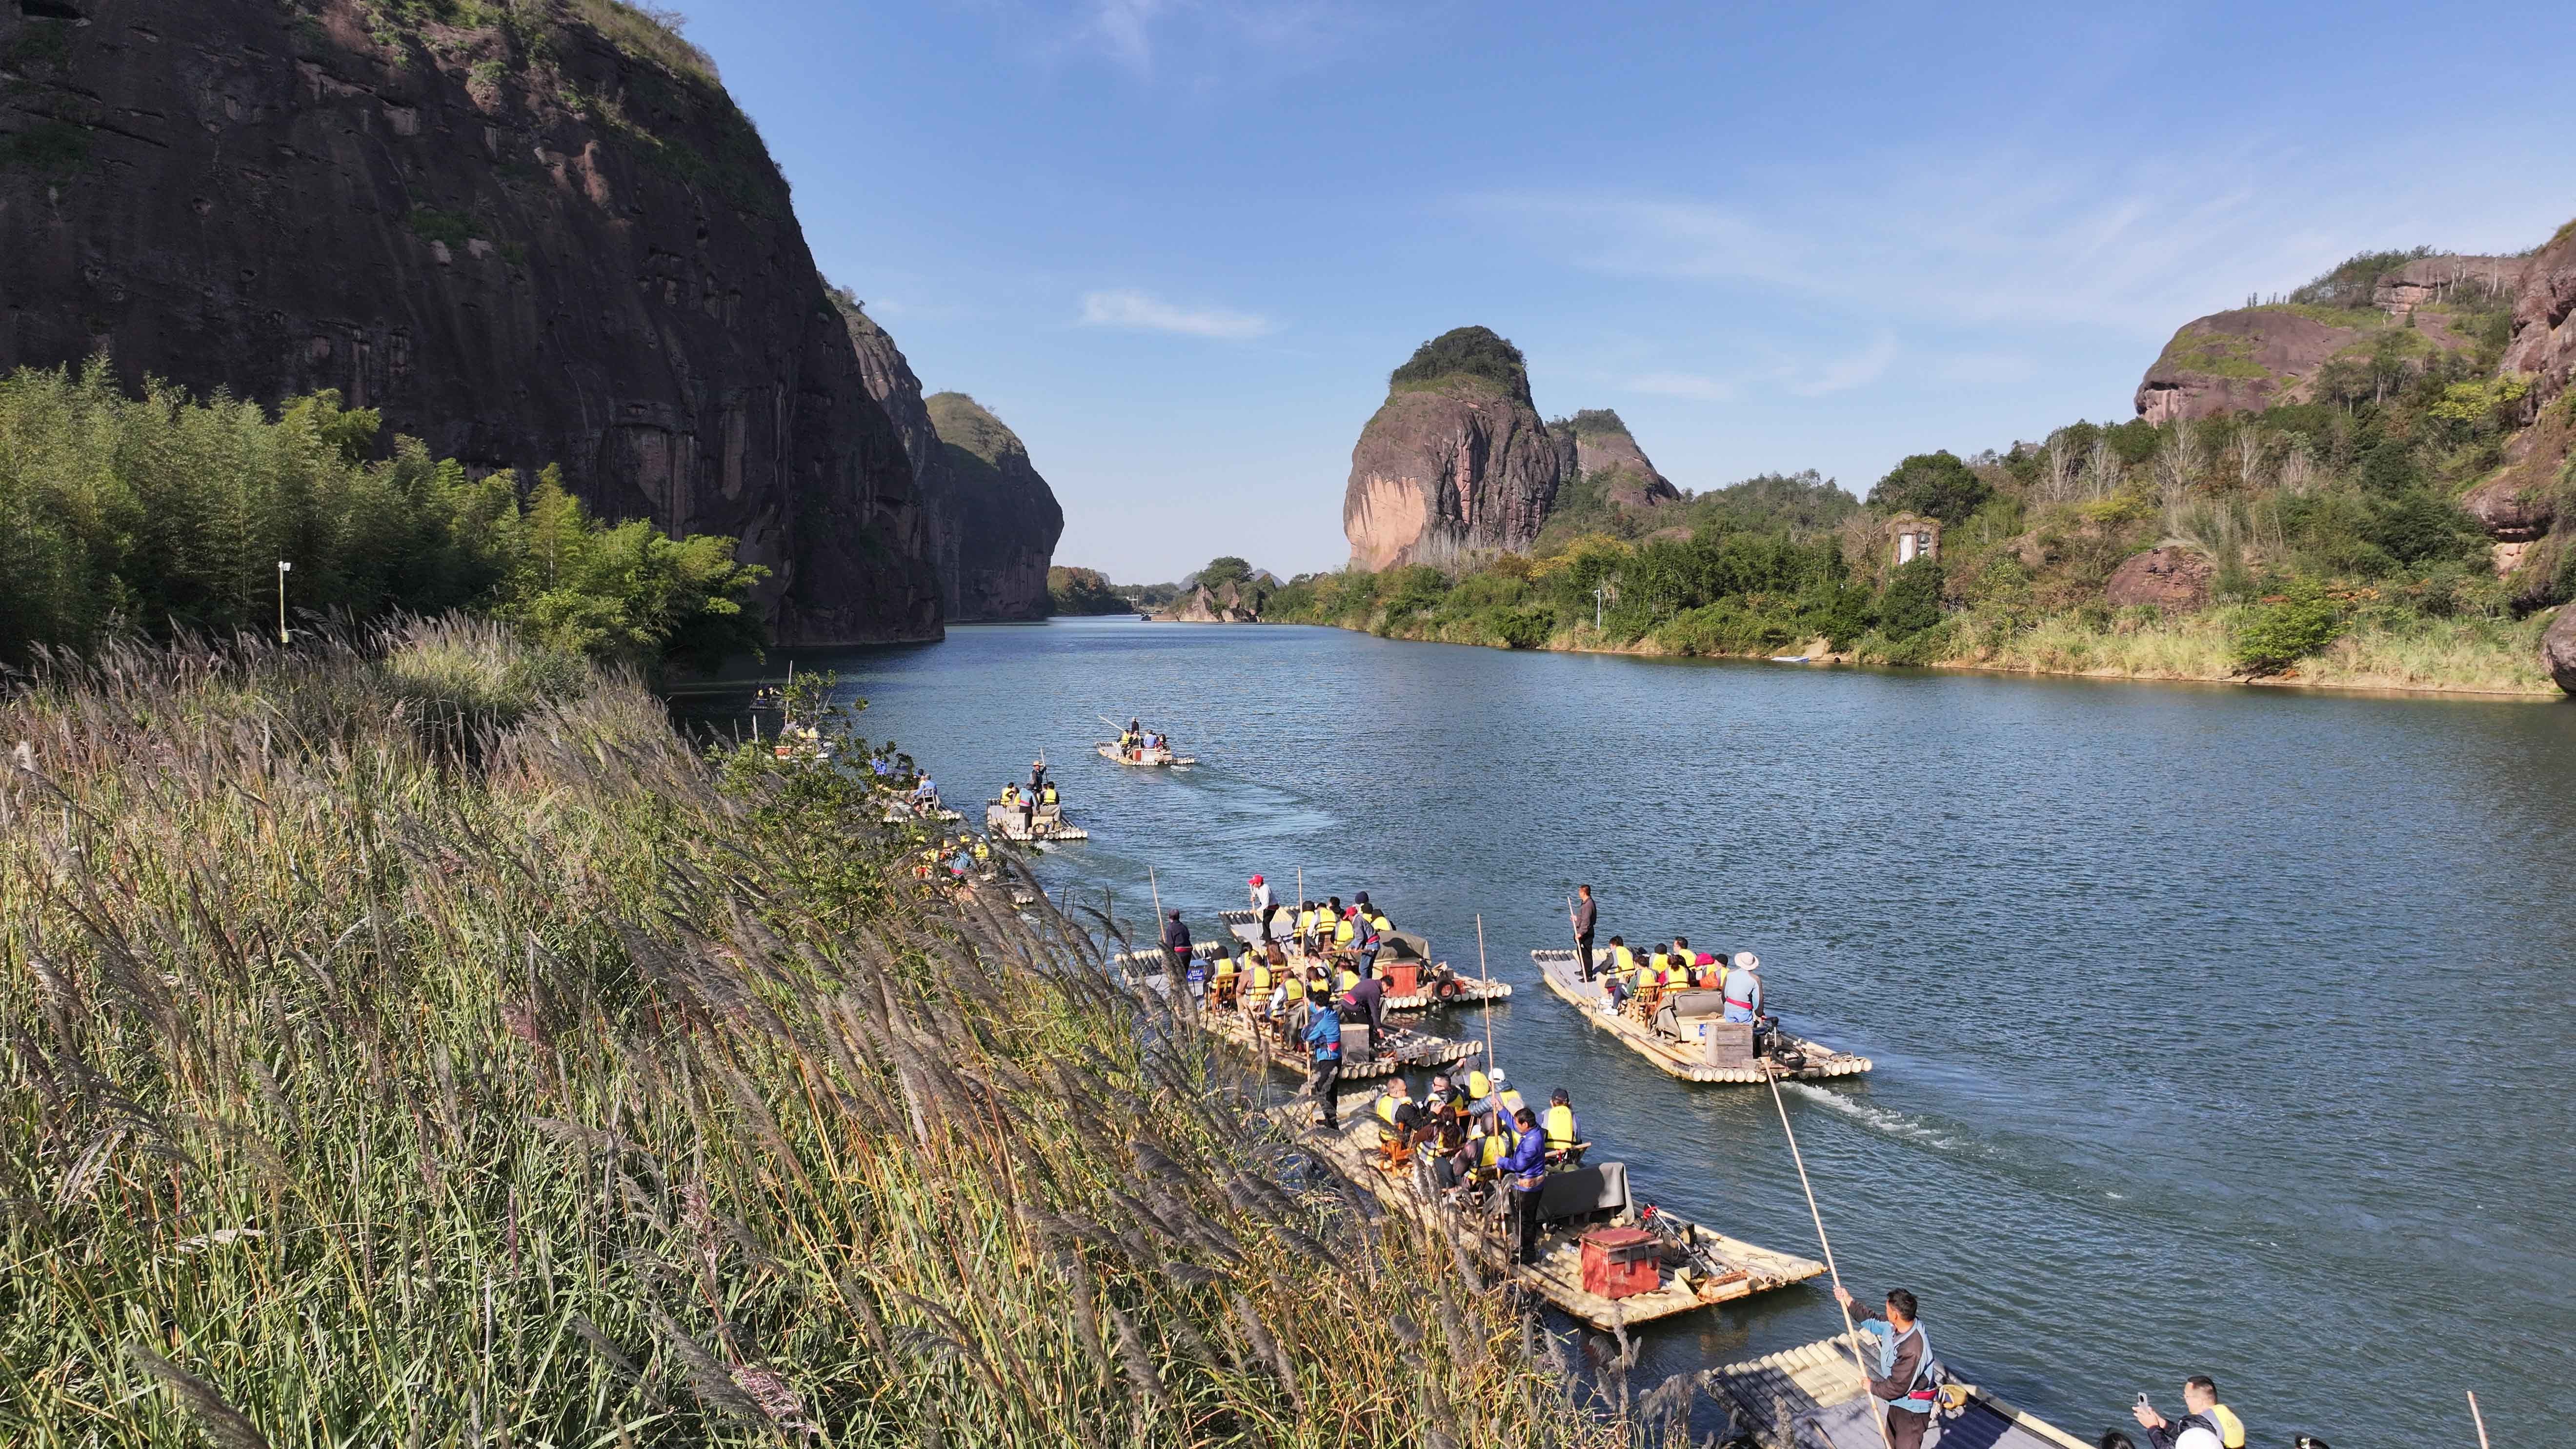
<point>1684,385</point>
<point>2019,239</point>
<point>1143,312</point>
<point>1196,42</point>
<point>1846,373</point>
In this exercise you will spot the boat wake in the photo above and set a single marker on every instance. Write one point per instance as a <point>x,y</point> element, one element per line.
<point>1879,1119</point>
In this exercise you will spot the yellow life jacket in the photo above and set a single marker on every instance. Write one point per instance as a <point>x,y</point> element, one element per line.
<point>1010,794</point>
<point>1343,931</point>
<point>1559,1123</point>
<point>1261,978</point>
<point>1296,985</point>
<point>2231,1429</point>
<point>1350,978</point>
<point>1050,795</point>
<point>1386,1110</point>
<point>1623,961</point>
<point>1479,1086</point>
<point>1493,1150</point>
<point>1512,1103</point>
<point>1225,966</point>
<point>983,851</point>
<point>1305,922</point>
<point>1381,924</point>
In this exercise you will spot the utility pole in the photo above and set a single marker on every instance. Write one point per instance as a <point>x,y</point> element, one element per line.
<point>1598,590</point>
<point>282,567</point>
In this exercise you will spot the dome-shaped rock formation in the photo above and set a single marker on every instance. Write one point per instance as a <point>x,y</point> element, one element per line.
<point>1594,445</point>
<point>993,521</point>
<point>1455,461</point>
<point>993,509</point>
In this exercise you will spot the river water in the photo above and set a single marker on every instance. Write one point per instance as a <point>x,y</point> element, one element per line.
<point>2217,1030</point>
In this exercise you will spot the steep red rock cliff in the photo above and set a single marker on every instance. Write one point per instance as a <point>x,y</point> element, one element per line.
<point>2543,341</point>
<point>993,521</point>
<point>550,238</point>
<point>1595,444</point>
<point>1456,459</point>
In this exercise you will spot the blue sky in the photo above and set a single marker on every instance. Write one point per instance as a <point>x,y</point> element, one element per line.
<point>1178,244</point>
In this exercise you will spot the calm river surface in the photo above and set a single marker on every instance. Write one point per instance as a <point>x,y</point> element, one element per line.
<point>2216,1030</point>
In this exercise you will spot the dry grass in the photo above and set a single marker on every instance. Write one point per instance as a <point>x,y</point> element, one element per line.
<point>504,1074</point>
<point>2465,655</point>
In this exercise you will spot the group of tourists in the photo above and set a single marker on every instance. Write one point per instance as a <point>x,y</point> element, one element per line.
<point>1037,797</point>
<point>1637,980</point>
<point>1479,1135</point>
<point>1136,742</point>
<point>955,857</point>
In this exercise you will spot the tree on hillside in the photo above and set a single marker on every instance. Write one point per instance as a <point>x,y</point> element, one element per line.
<point>1936,485</point>
<point>1223,570</point>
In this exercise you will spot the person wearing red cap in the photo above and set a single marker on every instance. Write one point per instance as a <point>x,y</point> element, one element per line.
<point>1261,906</point>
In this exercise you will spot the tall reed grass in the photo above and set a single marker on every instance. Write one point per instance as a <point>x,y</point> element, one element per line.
<point>410,1040</point>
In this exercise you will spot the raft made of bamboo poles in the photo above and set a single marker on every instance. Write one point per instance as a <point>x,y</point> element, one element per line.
<point>1393,1050</point>
<point>899,815</point>
<point>1005,821</point>
<point>1436,990</point>
<point>1767,1396</point>
<point>1149,759</point>
<point>1728,1268</point>
<point>1563,973</point>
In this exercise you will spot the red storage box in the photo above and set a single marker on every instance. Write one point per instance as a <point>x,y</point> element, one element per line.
<point>1403,978</point>
<point>1621,1262</point>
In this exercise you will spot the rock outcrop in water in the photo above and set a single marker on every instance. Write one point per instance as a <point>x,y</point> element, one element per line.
<point>550,240</point>
<point>993,521</point>
<point>1455,461</point>
<point>1233,602</point>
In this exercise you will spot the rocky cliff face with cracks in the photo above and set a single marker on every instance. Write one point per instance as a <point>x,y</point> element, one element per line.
<point>1596,445</point>
<point>993,510</point>
<point>541,234</point>
<point>993,521</point>
<point>1455,461</point>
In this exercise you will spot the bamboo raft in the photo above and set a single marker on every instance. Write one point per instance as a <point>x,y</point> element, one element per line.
<point>1437,985</point>
<point>1816,1387</point>
<point>1003,822</point>
<point>901,815</point>
<point>1399,1049</point>
<point>1723,1269</point>
<point>1688,1060</point>
<point>1148,759</point>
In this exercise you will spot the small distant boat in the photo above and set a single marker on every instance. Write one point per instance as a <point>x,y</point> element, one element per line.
<point>1810,1396</point>
<point>1686,1038</point>
<point>1792,658</point>
<point>1689,1266</point>
<point>1161,758</point>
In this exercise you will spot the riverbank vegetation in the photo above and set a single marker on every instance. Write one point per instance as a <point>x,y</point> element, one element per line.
<point>411,1040</point>
<point>144,517</point>
<point>2318,542</point>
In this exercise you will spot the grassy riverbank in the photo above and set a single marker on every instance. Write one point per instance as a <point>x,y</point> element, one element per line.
<point>411,1040</point>
<point>2460,656</point>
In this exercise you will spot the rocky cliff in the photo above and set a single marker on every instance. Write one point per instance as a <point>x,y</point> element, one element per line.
<point>545,238</point>
<point>993,521</point>
<point>1594,445</point>
<point>1232,602</point>
<point>1456,459</point>
<point>2543,340</point>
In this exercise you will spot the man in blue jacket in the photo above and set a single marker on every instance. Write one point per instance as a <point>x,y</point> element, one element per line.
<point>1324,1034</point>
<point>1525,1168</point>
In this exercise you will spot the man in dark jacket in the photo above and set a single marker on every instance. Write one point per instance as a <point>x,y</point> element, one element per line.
<point>1176,946</point>
<point>1525,1168</point>
<point>1367,1001</point>
<point>1583,918</point>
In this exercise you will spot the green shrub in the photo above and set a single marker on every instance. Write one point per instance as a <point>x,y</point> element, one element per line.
<point>1936,485</point>
<point>2278,633</point>
<point>1522,628</point>
<point>1912,603</point>
<point>1464,352</point>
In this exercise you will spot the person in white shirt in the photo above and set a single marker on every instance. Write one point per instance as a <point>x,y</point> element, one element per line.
<point>1261,906</point>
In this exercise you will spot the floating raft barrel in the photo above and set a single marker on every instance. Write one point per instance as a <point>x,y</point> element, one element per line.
<point>1563,973</point>
<point>1811,1395</point>
<point>1746,1269</point>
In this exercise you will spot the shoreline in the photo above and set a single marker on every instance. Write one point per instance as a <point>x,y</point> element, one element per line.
<point>1560,644</point>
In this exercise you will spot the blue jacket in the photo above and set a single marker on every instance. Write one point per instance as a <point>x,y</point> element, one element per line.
<point>1527,1161</point>
<point>1324,1034</point>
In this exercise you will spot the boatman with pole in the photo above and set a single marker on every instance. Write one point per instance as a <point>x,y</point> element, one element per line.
<point>1904,1383</point>
<point>1744,995</point>
<point>1261,906</point>
<point>1583,916</point>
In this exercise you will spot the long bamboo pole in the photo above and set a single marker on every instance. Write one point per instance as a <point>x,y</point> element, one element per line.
<point>1491,1065</point>
<point>2479,1419</point>
<point>1851,1330</point>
